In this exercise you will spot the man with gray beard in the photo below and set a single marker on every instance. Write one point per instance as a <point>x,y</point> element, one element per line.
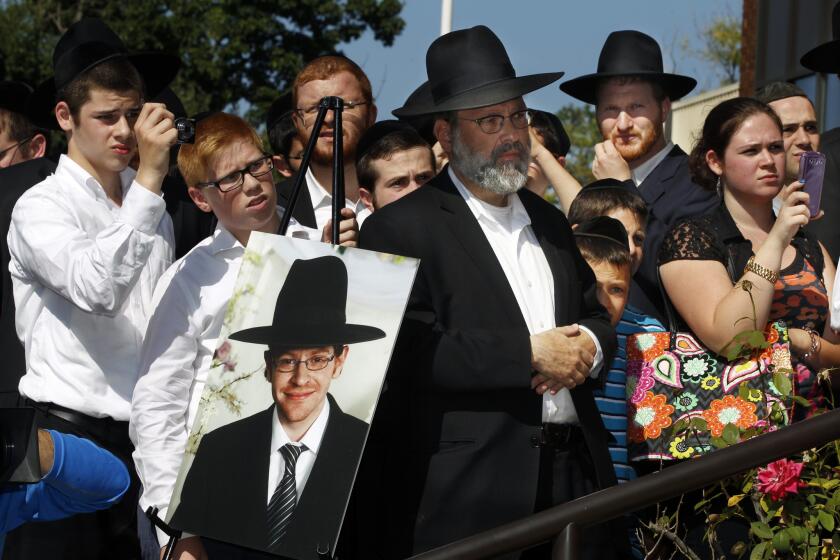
<point>488,415</point>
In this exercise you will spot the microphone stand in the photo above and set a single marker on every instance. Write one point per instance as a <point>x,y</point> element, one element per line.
<point>336,105</point>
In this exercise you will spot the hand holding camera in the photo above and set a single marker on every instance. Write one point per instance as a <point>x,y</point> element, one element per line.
<point>156,134</point>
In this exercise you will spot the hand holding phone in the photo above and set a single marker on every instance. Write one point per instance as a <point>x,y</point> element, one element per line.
<point>812,172</point>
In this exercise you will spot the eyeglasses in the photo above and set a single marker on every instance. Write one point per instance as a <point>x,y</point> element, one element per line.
<point>234,180</point>
<point>15,146</point>
<point>349,106</point>
<point>491,124</point>
<point>315,363</point>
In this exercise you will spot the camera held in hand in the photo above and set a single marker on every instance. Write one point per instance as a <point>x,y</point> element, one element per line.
<point>186,130</point>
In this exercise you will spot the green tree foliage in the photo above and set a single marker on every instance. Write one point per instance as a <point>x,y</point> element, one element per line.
<point>582,128</point>
<point>234,52</point>
<point>721,47</point>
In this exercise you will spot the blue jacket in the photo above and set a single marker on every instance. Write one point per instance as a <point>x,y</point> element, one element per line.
<point>84,478</point>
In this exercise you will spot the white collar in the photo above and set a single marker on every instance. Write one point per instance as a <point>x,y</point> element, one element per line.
<point>641,172</point>
<point>79,174</point>
<point>318,194</point>
<point>311,439</point>
<point>513,213</point>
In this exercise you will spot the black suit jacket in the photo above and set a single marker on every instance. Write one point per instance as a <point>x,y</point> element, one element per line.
<point>826,229</point>
<point>225,493</point>
<point>14,181</point>
<point>303,211</point>
<point>670,195</point>
<point>453,444</point>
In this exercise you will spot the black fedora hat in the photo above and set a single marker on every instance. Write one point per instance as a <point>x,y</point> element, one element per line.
<point>470,68</point>
<point>826,57</point>
<point>310,309</point>
<point>85,44</point>
<point>280,108</point>
<point>423,124</point>
<point>629,53</point>
<point>14,96</point>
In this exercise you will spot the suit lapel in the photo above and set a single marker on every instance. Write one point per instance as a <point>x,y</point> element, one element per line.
<point>466,230</point>
<point>655,185</point>
<point>254,486</point>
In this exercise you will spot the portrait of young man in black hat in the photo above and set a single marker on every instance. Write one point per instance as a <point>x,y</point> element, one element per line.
<point>279,480</point>
<point>488,409</point>
<point>87,246</point>
<point>632,95</point>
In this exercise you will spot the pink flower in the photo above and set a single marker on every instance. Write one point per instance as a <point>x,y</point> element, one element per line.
<point>222,357</point>
<point>779,478</point>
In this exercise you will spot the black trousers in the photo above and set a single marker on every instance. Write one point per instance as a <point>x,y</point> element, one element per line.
<point>110,533</point>
<point>567,473</point>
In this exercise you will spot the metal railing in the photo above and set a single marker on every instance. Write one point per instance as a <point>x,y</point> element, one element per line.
<point>566,520</point>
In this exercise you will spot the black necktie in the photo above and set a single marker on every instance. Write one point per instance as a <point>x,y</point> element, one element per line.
<point>283,501</point>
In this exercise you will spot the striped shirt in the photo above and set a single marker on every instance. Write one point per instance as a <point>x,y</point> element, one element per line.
<point>612,400</point>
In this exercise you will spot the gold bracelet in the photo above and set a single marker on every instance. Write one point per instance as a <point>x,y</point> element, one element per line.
<point>762,271</point>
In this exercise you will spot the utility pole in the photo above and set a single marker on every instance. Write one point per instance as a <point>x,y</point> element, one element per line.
<point>445,16</point>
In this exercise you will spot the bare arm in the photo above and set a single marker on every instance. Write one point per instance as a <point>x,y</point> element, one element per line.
<point>564,184</point>
<point>705,298</point>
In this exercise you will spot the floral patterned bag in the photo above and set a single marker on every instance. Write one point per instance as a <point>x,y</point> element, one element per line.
<point>672,379</point>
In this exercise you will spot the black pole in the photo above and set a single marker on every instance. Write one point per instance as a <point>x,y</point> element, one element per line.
<point>648,490</point>
<point>337,105</point>
<point>566,546</point>
<point>174,534</point>
<point>304,165</point>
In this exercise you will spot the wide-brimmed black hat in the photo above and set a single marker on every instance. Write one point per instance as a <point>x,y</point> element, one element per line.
<point>310,309</point>
<point>470,68</point>
<point>14,96</point>
<point>85,44</point>
<point>826,57</point>
<point>423,124</point>
<point>280,108</point>
<point>629,53</point>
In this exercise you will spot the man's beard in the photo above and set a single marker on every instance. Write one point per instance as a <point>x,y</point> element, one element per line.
<point>504,178</point>
<point>323,152</point>
<point>634,151</point>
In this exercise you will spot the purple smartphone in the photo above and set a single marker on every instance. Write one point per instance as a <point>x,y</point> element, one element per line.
<point>812,170</point>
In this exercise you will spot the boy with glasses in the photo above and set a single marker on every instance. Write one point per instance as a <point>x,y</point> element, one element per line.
<point>20,139</point>
<point>227,173</point>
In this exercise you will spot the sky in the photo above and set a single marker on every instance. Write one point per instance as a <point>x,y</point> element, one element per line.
<point>540,36</point>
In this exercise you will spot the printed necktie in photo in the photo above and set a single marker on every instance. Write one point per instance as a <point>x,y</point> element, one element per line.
<point>283,501</point>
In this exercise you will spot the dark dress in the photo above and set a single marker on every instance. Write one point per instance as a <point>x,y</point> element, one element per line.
<point>800,298</point>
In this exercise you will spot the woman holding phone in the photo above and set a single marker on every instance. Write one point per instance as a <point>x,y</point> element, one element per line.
<point>704,259</point>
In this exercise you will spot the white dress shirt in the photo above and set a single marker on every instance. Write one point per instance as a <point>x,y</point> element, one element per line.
<point>509,232</point>
<point>83,273</point>
<point>190,304</point>
<point>311,439</point>
<point>322,204</point>
<point>641,173</point>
